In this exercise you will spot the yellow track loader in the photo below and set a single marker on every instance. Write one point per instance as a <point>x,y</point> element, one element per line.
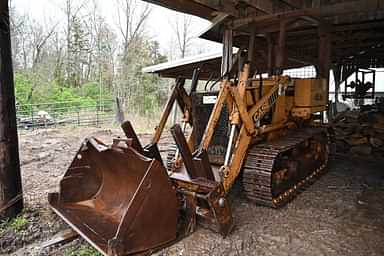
<point>264,132</point>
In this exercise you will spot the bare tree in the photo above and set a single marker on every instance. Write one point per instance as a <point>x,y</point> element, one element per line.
<point>81,47</point>
<point>182,26</point>
<point>131,19</point>
<point>71,10</point>
<point>39,39</point>
<point>73,31</point>
<point>19,36</point>
<point>102,46</point>
<point>58,54</point>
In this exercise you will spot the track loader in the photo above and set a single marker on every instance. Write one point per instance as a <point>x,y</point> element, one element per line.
<point>265,133</point>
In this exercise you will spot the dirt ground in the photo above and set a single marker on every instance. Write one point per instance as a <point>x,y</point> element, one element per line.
<point>341,214</point>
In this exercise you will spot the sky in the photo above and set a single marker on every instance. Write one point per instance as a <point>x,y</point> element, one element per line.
<point>158,26</point>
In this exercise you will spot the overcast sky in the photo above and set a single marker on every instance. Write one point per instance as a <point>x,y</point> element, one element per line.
<point>158,26</point>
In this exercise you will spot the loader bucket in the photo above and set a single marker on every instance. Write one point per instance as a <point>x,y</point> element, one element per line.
<point>118,200</point>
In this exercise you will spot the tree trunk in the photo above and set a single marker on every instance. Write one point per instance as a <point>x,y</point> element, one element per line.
<point>11,200</point>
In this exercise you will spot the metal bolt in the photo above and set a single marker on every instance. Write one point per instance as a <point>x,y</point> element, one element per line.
<point>222,202</point>
<point>79,156</point>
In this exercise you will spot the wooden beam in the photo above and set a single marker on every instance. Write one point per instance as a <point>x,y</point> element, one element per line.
<point>11,197</point>
<point>281,56</point>
<point>220,6</point>
<point>265,6</point>
<point>270,53</point>
<point>324,53</point>
<point>189,7</point>
<point>339,9</point>
<point>226,64</point>
<point>298,4</point>
<point>360,26</point>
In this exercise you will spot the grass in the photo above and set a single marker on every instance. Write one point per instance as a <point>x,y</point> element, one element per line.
<point>3,227</point>
<point>84,250</point>
<point>17,224</point>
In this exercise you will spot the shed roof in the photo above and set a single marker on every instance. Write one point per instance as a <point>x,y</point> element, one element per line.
<point>357,35</point>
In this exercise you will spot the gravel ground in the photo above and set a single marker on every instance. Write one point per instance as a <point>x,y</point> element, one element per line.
<point>341,214</point>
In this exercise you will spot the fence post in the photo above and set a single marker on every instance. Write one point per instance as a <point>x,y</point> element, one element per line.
<point>32,121</point>
<point>97,114</point>
<point>119,111</point>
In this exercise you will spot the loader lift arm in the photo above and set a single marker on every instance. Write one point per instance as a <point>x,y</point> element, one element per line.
<point>184,101</point>
<point>180,96</point>
<point>248,123</point>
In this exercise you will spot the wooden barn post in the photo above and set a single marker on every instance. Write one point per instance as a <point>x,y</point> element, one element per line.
<point>11,198</point>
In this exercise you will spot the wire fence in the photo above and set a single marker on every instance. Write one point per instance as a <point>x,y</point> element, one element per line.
<point>305,72</point>
<point>44,115</point>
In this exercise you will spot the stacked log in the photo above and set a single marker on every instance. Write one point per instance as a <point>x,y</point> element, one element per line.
<point>360,132</point>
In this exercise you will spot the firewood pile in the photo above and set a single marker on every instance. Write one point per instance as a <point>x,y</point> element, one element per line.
<point>360,132</point>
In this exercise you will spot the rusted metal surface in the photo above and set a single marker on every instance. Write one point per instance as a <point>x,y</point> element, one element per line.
<point>131,135</point>
<point>11,199</point>
<point>151,150</point>
<point>120,201</point>
<point>185,153</point>
<point>214,211</point>
<point>167,110</point>
<point>124,203</point>
<point>197,166</point>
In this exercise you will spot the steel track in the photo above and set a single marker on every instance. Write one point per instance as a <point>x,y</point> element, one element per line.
<point>260,166</point>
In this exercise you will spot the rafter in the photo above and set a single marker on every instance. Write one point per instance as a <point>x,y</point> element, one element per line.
<point>265,6</point>
<point>298,4</point>
<point>334,10</point>
<point>219,5</point>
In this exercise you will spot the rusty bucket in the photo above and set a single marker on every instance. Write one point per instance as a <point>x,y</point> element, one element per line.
<point>120,201</point>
